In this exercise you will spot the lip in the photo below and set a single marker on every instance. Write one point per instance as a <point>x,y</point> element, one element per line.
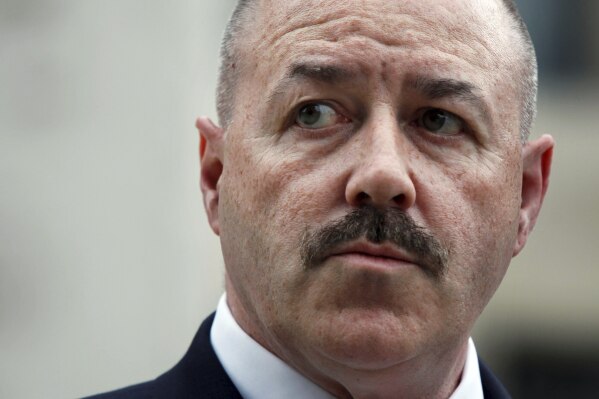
<point>383,255</point>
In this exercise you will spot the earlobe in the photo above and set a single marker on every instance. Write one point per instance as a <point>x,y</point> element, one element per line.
<point>211,155</point>
<point>536,168</point>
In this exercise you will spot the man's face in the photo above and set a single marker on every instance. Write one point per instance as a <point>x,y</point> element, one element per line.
<point>370,197</point>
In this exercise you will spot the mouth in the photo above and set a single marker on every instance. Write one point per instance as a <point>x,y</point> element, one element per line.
<point>369,255</point>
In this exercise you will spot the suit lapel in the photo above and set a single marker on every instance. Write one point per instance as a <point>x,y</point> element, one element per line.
<point>492,388</point>
<point>199,374</point>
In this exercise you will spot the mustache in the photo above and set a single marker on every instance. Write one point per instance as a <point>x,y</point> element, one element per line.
<point>378,226</point>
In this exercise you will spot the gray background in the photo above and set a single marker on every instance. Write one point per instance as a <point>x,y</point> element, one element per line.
<point>107,264</point>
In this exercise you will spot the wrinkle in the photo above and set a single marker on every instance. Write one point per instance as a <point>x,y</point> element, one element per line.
<point>415,34</point>
<point>348,26</point>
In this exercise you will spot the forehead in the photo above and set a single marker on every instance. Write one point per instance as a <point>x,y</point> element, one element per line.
<point>471,30</point>
<point>457,39</point>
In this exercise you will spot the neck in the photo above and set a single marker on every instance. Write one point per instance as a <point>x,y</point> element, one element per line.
<point>432,376</point>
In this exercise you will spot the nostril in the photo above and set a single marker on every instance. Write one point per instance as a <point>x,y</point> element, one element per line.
<point>362,197</point>
<point>399,199</point>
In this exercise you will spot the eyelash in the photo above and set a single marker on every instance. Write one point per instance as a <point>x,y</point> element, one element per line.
<point>290,121</point>
<point>463,124</point>
<point>314,133</point>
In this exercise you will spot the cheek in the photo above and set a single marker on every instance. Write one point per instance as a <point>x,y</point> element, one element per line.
<point>494,194</point>
<point>269,196</point>
<point>267,200</point>
<point>474,212</point>
<point>287,187</point>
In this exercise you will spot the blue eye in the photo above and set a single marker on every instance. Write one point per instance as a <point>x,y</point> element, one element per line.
<point>316,116</point>
<point>441,122</point>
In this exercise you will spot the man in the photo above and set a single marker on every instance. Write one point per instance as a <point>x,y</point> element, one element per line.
<point>370,181</point>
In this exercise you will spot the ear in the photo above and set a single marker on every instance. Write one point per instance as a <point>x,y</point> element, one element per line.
<point>211,155</point>
<point>536,167</point>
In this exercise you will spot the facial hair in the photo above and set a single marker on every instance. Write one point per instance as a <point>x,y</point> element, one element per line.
<point>378,226</point>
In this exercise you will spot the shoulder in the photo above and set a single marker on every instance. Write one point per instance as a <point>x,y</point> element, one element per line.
<point>139,391</point>
<point>198,374</point>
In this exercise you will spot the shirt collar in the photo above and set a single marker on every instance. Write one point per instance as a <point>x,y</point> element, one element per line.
<point>258,374</point>
<point>470,386</point>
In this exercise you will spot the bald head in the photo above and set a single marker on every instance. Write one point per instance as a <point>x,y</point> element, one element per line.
<point>525,77</point>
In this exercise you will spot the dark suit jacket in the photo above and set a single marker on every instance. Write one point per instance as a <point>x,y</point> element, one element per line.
<point>200,375</point>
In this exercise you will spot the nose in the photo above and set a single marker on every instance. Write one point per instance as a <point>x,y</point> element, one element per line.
<point>381,173</point>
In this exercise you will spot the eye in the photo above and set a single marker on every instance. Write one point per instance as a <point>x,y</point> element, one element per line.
<point>440,122</point>
<point>317,116</point>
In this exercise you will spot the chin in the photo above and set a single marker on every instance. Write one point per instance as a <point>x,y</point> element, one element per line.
<point>367,339</point>
<point>365,319</point>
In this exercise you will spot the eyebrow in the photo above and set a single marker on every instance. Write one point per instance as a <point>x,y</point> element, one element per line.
<point>306,71</point>
<point>431,88</point>
<point>320,72</point>
<point>437,89</point>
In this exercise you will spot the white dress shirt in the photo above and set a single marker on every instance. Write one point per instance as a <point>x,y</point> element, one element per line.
<point>258,374</point>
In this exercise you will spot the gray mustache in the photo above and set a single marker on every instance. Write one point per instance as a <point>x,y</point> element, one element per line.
<point>378,226</point>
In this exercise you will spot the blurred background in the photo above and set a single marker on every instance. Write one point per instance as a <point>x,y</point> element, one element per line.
<point>107,264</point>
